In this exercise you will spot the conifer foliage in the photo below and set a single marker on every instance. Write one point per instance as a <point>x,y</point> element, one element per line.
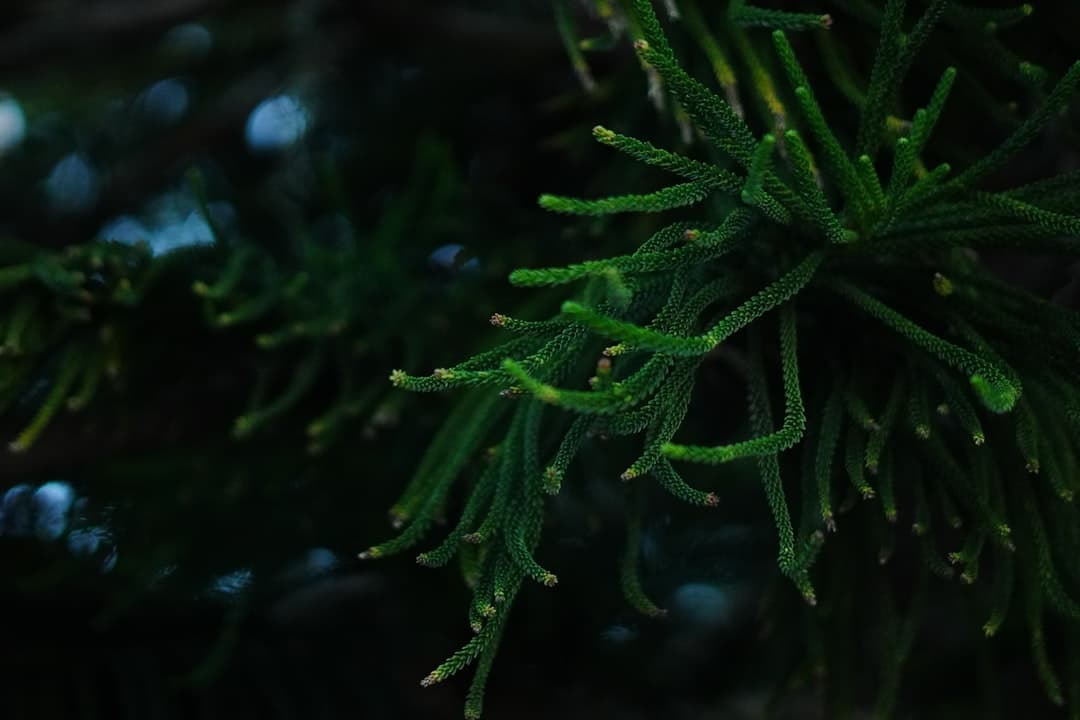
<point>838,271</point>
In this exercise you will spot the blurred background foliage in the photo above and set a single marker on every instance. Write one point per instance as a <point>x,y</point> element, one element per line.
<point>222,223</point>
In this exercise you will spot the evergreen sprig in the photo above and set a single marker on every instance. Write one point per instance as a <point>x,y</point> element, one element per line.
<point>876,299</point>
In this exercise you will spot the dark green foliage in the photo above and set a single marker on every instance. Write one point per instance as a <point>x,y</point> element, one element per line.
<point>61,311</point>
<point>811,313</point>
<point>877,297</point>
